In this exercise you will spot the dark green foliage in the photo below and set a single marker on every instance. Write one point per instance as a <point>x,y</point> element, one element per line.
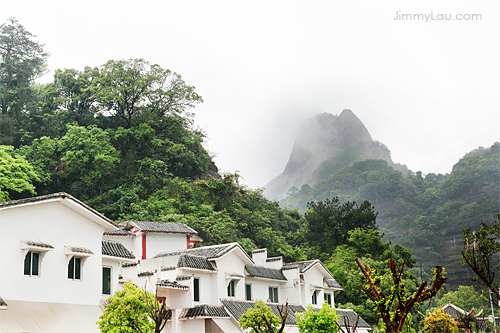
<point>328,223</point>
<point>425,214</point>
<point>22,60</point>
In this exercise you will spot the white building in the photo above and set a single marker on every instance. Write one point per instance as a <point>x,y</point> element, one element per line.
<point>60,259</point>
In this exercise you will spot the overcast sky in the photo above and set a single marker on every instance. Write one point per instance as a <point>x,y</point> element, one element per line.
<point>428,90</point>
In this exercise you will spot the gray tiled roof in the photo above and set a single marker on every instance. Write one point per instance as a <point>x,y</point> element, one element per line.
<point>198,262</point>
<point>264,272</point>
<point>130,264</point>
<point>274,259</point>
<point>183,277</point>
<point>171,284</point>
<point>145,274</point>
<point>62,195</point>
<point>348,318</point>
<point>115,249</point>
<point>454,311</point>
<point>303,265</point>
<point>238,308</point>
<point>205,311</point>
<point>38,244</point>
<point>79,249</point>
<point>2,302</point>
<point>123,231</point>
<point>332,283</point>
<point>163,227</point>
<point>259,251</point>
<point>209,252</point>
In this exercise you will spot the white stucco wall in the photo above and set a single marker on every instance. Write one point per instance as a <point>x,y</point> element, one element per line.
<point>162,242</point>
<point>60,226</point>
<point>260,289</point>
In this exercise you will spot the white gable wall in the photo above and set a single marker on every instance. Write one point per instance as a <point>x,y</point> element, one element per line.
<point>228,264</point>
<point>60,226</point>
<point>163,242</point>
<point>314,277</point>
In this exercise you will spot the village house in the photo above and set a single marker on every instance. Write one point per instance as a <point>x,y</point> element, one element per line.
<point>60,260</point>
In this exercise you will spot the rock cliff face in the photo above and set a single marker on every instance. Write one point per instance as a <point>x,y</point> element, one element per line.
<point>325,143</point>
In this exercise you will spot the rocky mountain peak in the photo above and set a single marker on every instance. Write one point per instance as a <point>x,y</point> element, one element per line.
<point>320,139</point>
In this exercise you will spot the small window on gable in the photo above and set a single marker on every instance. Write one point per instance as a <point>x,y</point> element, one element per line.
<point>273,294</point>
<point>75,268</point>
<point>328,298</point>
<point>315,297</point>
<point>230,288</point>
<point>31,263</point>
<point>248,292</point>
<point>196,289</point>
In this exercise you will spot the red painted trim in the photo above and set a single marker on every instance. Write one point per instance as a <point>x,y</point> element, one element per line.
<point>188,245</point>
<point>144,245</point>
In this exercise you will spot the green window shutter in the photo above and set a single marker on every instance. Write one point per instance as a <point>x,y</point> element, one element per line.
<point>35,260</point>
<point>248,293</point>
<point>71,268</point>
<point>196,283</point>
<point>106,280</point>
<point>27,263</point>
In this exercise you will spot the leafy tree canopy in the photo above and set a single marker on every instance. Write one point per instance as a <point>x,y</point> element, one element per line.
<point>126,312</point>
<point>323,321</point>
<point>16,174</point>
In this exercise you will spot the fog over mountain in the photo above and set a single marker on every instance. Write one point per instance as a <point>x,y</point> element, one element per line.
<point>324,144</point>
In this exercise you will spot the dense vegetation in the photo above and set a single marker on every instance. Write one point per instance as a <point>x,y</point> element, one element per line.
<point>121,138</point>
<point>423,213</point>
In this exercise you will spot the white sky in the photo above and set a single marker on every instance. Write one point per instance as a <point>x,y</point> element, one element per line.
<point>428,90</point>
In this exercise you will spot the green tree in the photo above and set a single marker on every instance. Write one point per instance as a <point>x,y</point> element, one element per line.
<point>393,307</point>
<point>481,254</point>
<point>129,88</point>
<point>324,321</point>
<point>439,322</point>
<point>465,298</point>
<point>88,160</point>
<point>23,60</point>
<point>16,174</point>
<point>261,319</point>
<point>126,312</point>
<point>328,224</point>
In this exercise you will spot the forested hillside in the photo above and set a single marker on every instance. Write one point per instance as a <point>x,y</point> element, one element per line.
<point>423,213</point>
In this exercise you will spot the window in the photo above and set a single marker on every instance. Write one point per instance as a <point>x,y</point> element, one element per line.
<point>196,291</point>
<point>328,298</point>
<point>106,280</point>
<point>273,294</point>
<point>230,289</point>
<point>31,263</point>
<point>315,297</point>
<point>75,268</point>
<point>248,292</point>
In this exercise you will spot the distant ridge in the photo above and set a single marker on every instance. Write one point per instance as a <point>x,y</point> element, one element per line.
<point>325,143</point>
